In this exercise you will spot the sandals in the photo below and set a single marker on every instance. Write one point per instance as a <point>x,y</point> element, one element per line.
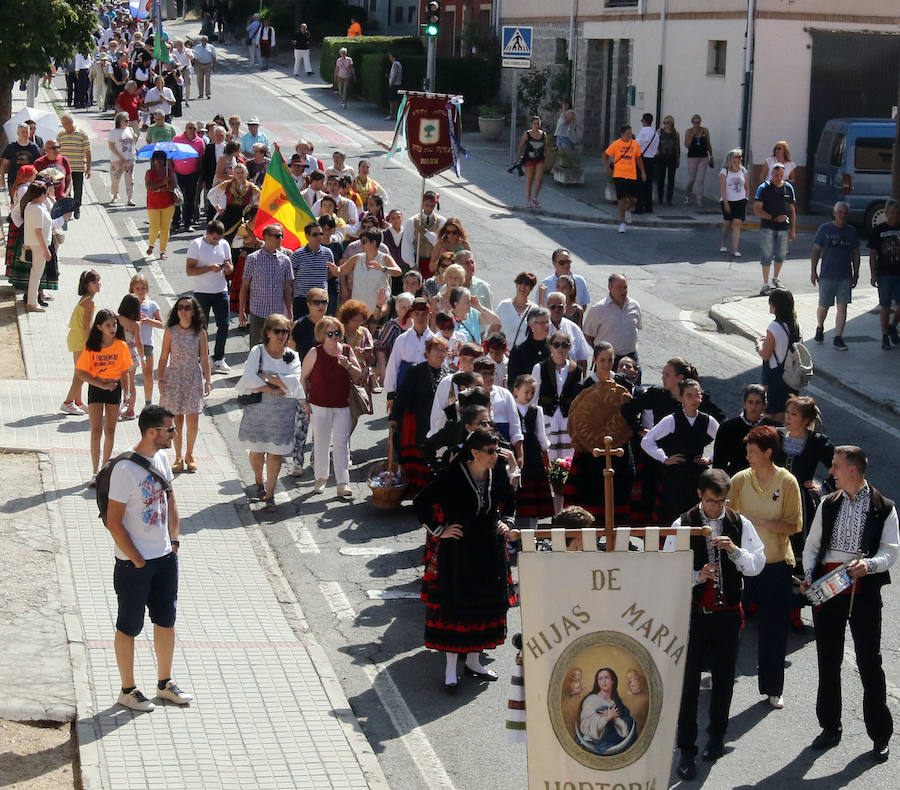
<point>271,505</point>
<point>150,250</point>
<point>163,256</point>
<point>178,466</point>
<point>190,464</point>
<point>260,492</point>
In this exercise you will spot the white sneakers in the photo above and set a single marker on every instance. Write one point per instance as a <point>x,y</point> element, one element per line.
<point>628,217</point>
<point>319,486</point>
<point>71,408</point>
<point>221,366</point>
<point>344,492</point>
<point>776,701</point>
<point>621,227</point>
<point>135,699</point>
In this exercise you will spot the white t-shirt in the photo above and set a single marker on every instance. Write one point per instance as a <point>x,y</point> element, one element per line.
<point>788,167</point>
<point>781,343</point>
<point>513,324</point>
<point>207,254</point>
<point>735,184</point>
<point>146,518</point>
<point>123,141</point>
<point>149,308</point>
<point>37,217</point>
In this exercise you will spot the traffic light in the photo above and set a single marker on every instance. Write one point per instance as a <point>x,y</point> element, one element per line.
<point>432,17</point>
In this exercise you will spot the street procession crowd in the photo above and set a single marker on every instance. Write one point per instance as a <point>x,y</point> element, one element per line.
<point>495,393</point>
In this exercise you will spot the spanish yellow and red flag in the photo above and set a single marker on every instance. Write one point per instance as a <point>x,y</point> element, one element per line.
<point>280,202</point>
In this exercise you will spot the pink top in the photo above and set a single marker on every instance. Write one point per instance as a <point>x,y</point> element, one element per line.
<point>186,167</point>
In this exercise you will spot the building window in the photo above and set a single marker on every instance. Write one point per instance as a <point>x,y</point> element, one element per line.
<point>398,15</point>
<point>561,54</point>
<point>411,16</point>
<point>715,59</point>
<point>621,3</point>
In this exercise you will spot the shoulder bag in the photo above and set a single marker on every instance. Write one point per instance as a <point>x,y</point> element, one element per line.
<point>360,399</point>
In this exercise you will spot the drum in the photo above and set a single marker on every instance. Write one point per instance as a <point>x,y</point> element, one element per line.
<point>829,585</point>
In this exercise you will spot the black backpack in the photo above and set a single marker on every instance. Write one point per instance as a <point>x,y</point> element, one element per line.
<point>105,473</point>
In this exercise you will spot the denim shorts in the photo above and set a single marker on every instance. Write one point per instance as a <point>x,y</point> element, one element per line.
<point>154,587</point>
<point>831,290</point>
<point>888,289</point>
<point>773,245</point>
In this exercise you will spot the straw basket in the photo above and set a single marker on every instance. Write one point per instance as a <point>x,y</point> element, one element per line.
<point>387,497</point>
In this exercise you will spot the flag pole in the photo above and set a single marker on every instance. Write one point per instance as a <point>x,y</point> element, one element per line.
<point>421,221</point>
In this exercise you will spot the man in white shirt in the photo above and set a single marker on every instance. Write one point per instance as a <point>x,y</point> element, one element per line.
<point>254,28</point>
<point>581,349</point>
<point>204,66</point>
<point>409,348</point>
<point>562,264</point>
<point>733,549</point>
<point>856,525</point>
<point>420,234</point>
<point>142,518</point>
<point>395,81</point>
<point>209,263</point>
<point>160,99</point>
<point>648,140</point>
<point>615,319</point>
<point>182,57</point>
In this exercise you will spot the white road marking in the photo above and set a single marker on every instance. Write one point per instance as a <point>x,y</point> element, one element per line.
<point>387,595</point>
<point>368,551</point>
<point>337,600</point>
<point>303,539</point>
<point>416,742</point>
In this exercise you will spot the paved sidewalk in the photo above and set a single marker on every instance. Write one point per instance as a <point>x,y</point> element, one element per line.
<point>865,368</point>
<point>268,710</point>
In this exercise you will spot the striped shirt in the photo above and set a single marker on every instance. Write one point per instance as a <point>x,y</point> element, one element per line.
<point>267,272</point>
<point>310,269</point>
<point>76,147</point>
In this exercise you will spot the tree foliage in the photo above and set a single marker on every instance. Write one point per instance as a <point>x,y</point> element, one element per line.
<point>34,31</point>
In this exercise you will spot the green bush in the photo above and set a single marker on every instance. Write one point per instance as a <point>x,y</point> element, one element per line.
<point>360,46</point>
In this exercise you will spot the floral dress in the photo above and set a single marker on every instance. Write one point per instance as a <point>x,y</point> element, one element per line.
<point>183,378</point>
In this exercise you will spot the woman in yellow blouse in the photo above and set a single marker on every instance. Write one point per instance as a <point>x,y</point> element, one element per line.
<point>769,496</point>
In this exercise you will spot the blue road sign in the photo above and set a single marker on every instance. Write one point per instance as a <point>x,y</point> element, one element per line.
<point>516,41</point>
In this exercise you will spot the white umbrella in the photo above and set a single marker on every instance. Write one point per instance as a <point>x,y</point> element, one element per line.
<point>46,123</point>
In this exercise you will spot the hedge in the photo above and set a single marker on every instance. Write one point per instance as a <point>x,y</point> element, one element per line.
<point>360,46</point>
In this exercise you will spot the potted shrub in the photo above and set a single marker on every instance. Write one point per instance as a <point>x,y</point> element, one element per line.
<point>491,121</point>
<point>568,168</point>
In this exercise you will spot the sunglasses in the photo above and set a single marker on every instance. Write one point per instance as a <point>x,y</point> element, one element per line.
<point>452,230</point>
<point>333,333</point>
<point>561,345</point>
<point>315,235</point>
<point>320,302</point>
<point>280,330</point>
<point>556,306</point>
<point>183,307</point>
<point>564,261</point>
<point>52,147</point>
<point>167,429</point>
<point>489,450</point>
<point>276,235</point>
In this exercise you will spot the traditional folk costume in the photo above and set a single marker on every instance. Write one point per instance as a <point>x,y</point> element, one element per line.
<point>716,618</point>
<point>534,499</point>
<point>555,391</point>
<point>411,411</point>
<point>842,527</point>
<point>408,350</point>
<point>467,585</point>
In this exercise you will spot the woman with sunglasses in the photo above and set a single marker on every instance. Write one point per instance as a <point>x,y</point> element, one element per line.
<point>558,382</point>
<point>781,153</point>
<point>328,370</point>
<point>184,374</point>
<point>450,238</point>
<point>434,284</point>
<point>267,427</point>
<point>733,195</point>
<point>468,511</point>
<point>668,157</point>
<point>700,160</point>
<point>410,413</point>
<point>531,153</point>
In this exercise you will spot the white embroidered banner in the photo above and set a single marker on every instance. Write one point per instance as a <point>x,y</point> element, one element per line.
<point>604,643</point>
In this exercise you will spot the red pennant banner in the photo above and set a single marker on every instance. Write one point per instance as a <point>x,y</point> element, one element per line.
<point>428,136</point>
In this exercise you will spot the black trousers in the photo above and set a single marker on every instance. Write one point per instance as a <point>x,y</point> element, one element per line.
<point>184,214</point>
<point>665,168</point>
<point>77,189</point>
<point>830,620</point>
<point>645,188</point>
<point>773,597</point>
<point>83,89</point>
<point>218,303</point>
<point>719,633</point>
<point>71,80</point>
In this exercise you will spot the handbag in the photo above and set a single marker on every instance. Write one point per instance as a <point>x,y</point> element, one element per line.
<point>252,397</point>
<point>360,399</point>
<point>177,196</point>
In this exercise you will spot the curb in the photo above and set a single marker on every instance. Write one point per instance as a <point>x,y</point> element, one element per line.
<point>733,326</point>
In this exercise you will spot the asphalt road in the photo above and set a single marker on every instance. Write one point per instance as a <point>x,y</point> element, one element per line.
<point>355,570</point>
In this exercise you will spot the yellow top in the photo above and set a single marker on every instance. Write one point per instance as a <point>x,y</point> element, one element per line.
<point>778,501</point>
<point>77,336</point>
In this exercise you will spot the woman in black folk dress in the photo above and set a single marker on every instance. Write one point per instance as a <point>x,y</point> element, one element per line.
<point>467,587</point>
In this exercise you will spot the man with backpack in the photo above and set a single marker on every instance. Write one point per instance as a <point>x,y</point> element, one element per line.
<point>134,494</point>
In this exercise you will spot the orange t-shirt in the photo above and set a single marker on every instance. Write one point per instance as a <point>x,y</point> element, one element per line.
<point>108,363</point>
<point>354,30</point>
<point>624,157</point>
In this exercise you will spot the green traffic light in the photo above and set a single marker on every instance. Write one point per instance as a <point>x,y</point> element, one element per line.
<point>431,30</point>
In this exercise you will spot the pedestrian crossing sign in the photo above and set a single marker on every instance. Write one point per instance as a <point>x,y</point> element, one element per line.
<point>516,41</point>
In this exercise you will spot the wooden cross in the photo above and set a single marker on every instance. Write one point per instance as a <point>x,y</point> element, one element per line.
<point>608,451</point>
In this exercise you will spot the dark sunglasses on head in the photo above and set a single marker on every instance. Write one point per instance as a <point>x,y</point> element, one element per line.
<point>561,345</point>
<point>280,330</point>
<point>320,302</point>
<point>333,333</point>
